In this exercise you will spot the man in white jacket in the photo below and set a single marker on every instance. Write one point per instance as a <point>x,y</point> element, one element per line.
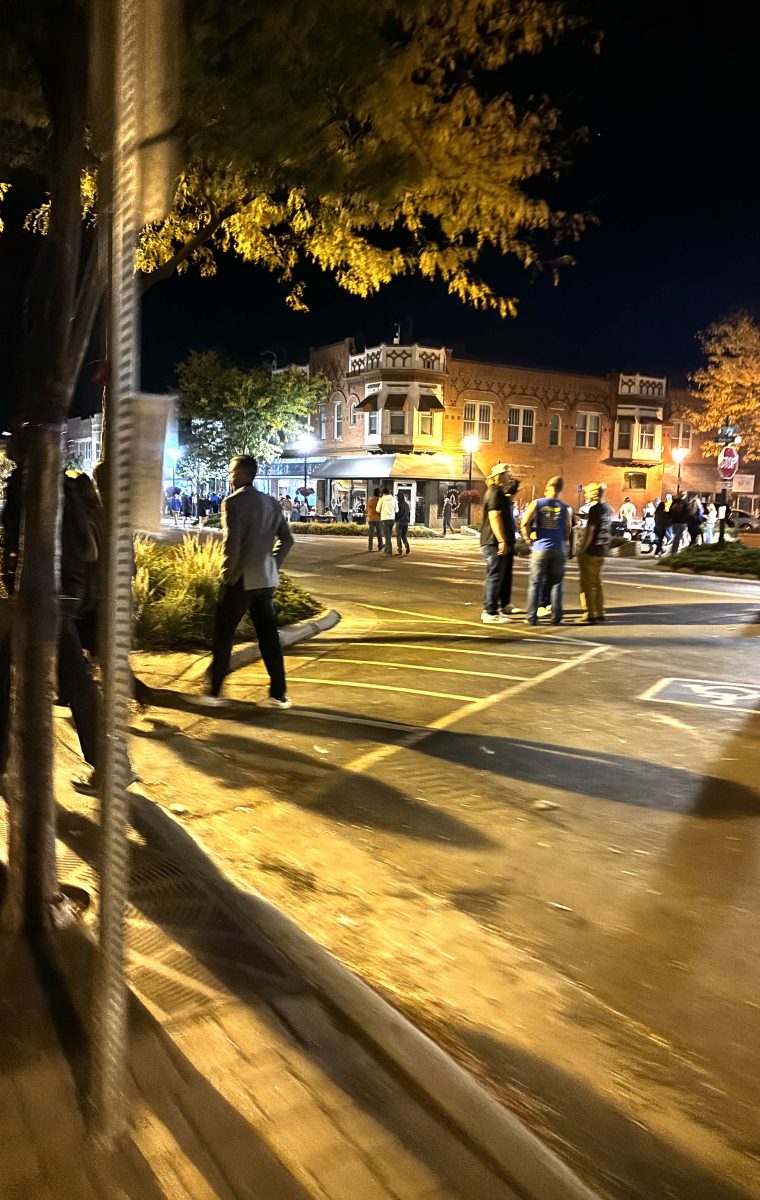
<point>257,538</point>
<point>386,509</point>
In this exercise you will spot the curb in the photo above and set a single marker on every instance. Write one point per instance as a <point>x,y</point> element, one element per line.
<point>496,1132</point>
<point>290,635</point>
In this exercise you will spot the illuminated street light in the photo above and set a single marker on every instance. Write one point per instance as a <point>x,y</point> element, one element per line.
<point>470,444</point>
<point>305,444</point>
<point>679,454</point>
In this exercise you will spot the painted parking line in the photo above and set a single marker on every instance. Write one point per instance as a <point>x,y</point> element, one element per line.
<point>480,653</point>
<point>379,687</point>
<point>705,693</point>
<point>469,709</point>
<point>402,666</point>
<point>528,634</point>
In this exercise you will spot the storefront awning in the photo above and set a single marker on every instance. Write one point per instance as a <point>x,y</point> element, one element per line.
<point>429,403</point>
<point>396,401</point>
<point>452,468</point>
<point>368,405</point>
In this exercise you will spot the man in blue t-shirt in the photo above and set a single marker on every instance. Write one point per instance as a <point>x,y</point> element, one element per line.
<point>546,526</point>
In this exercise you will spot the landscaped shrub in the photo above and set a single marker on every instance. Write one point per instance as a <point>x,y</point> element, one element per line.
<point>175,588</point>
<point>351,529</point>
<point>733,559</point>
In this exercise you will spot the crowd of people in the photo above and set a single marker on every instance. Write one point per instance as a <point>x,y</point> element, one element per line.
<point>192,507</point>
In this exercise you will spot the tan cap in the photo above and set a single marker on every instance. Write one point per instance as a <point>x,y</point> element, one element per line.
<point>498,469</point>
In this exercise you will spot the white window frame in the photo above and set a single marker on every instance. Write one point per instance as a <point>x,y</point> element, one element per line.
<point>555,416</point>
<point>630,423</point>
<point>353,417</point>
<point>373,419</point>
<point>677,436</point>
<point>322,422</point>
<point>396,412</point>
<point>583,426</point>
<point>338,420</point>
<point>478,422</point>
<point>521,425</point>
<point>425,424</point>
<point>647,436</point>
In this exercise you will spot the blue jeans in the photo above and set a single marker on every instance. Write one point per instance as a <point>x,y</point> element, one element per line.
<point>678,531</point>
<point>374,532</point>
<point>495,566</point>
<point>402,535</point>
<point>547,570</point>
<point>386,531</point>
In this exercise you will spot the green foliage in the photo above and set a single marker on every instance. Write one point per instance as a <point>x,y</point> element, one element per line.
<point>733,558</point>
<point>175,588</point>
<point>232,411</point>
<point>352,529</point>
<point>729,384</point>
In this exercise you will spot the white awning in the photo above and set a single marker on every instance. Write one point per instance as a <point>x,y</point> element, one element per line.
<point>398,466</point>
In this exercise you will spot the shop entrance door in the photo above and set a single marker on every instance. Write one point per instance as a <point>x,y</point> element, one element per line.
<point>407,489</point>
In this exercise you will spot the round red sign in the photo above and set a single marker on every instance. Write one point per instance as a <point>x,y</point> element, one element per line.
<point>728,462</point>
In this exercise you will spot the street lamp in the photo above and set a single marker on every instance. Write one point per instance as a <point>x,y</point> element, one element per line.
<point>679,454</point>
<point>470,445</point>
<point>305,444</point>
<point>174,453</point>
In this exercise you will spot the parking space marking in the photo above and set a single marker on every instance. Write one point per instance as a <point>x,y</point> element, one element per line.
<point>456,650</point>
<point>379,687</point>
<point>403,666</point>
<point>528,634</point>
<point>705,693</point>
<point>469,709</point>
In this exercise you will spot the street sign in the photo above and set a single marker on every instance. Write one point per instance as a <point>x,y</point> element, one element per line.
<point>727,434</point>
<point>744,485</point>
<point>728,463</point>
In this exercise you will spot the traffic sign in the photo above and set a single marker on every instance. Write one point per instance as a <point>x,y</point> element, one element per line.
<point>727,433</point>
<point>728,462</point>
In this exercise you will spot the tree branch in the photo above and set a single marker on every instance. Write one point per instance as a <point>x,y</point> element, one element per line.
<point>188,249</point>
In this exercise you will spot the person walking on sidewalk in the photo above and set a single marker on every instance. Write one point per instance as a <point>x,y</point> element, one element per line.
<point>387,512</point>
<point>594,547</point>
<point>256,541</point>
<point>547,524</point>
<point>373,520</point>
<point>661,526</point>
<point>402,525</point>
<point>446,515</point>
<point>679,516</point>
<point>495,543</point>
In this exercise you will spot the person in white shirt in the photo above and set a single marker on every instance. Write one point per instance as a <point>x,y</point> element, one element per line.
<point>628,511</point>
<point>386,509</point>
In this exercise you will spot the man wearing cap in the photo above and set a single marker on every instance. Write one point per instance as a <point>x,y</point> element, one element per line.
<point>592,551</point>
<point>497,543</point>
<point>546,525</point>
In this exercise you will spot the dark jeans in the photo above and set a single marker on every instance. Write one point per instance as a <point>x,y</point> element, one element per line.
<point>76,688</point>
<point>231,607</point>
<point>547,569</point>
<point>375,532</point>
<point>495,568</point>
<point>659,537</point>
<point>446,525</point>
<point>402,535</point>
<point>344,517</point>
<point>386,535</point>
<point>505,594</point>
<point>679,529</point>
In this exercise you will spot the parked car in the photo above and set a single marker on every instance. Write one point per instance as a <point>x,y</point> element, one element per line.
<point>744,520</point>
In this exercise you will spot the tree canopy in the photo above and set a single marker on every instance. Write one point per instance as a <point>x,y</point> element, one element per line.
<point>228,410</point>
<point>728,384</point>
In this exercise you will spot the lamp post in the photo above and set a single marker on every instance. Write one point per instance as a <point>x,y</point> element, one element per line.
<point>305,445</point>
<point>174,453</point>
<point>679,454</point>
<point>470,445</point>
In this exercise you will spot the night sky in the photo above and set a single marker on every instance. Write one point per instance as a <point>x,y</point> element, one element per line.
<point>669,170</point>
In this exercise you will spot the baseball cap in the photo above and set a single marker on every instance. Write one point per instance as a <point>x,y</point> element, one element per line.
<point>498,469</point>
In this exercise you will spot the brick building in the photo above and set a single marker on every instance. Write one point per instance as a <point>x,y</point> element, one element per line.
<point>400,414</point>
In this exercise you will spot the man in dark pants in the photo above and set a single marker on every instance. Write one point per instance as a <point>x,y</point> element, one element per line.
<point>495,544</point>
<point>257,539</point>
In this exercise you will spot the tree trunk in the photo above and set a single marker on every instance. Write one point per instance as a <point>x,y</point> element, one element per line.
<point>32,901</point>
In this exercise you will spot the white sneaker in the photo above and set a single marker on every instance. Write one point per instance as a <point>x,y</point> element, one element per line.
<point>210,701</point>
<point>273,702</point>
<point>509,611</point>
<point>490,618</point>
<point>544,611</point>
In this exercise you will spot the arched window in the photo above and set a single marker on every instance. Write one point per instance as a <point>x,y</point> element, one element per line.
<point>338,421</point>
<point>321,422</point>
<point>555,429</point>
<point>353,416</point>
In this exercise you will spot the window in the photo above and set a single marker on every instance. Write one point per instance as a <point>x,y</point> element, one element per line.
<point>352,415</point>
<point>625,433</point>
<point>680,434</point>
<point>555,429</point>
<point>588,430</point>
<point>647,432</point>
<point>371,424</point>
<point>397,423</point>
<point>520,425</point>
<point>338,421</point>
<point>477,421</point>
<point>321,422</point>
<point>426,424</point>
<point>635,481</point>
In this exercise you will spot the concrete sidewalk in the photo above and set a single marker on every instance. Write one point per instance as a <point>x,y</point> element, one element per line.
<point>244,1086</point>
